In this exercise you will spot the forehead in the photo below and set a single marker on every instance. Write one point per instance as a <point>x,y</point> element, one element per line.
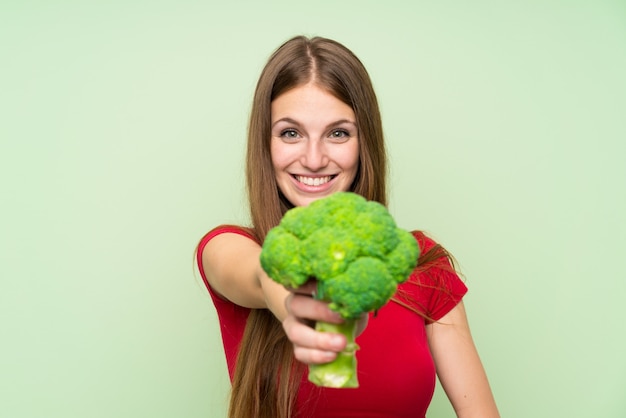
<point>310,101</point>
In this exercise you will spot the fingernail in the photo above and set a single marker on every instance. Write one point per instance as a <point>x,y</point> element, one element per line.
<point>337,317</point>
<point>336,342</point>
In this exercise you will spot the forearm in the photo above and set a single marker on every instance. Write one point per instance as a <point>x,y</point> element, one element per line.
<point>232,267</point>
<point>273,295</point>
<point>471,397</point>
<point>459,368</point>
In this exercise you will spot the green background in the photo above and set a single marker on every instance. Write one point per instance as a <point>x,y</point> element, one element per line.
<point>122,127</point>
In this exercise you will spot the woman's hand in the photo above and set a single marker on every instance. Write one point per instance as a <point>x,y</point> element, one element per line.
<point>310,346</point>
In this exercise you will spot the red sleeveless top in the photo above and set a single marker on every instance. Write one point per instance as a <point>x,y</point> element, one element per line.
<point>396,372</point>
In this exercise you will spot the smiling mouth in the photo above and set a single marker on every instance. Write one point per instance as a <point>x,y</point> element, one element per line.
<point>314,181</point>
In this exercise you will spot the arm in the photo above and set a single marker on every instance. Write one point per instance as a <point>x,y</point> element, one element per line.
<point>459,367</point>
<point>231,265</point>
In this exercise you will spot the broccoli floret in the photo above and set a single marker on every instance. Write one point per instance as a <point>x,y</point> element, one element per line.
<point>284,267</point>
<point>357,254</point>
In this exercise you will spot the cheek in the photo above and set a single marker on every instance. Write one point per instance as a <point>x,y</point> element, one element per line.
<point>277,154</point>
<point>351,158</point>
<point>284,155</point>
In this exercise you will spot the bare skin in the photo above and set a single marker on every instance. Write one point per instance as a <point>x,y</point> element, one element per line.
<point>315,153</point>
<point>458,365</point>
<point>233,270</point>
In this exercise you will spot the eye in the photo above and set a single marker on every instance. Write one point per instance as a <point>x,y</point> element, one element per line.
<point>340,134</point>
<point>289,134</point>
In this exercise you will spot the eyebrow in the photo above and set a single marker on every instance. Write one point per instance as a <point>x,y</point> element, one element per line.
<point>295,122</point>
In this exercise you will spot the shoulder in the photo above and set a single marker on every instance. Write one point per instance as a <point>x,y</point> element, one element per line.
<point>432,254</point>
<point>425,242</point>
<point>225,232</point>
<point>434,287</point>
<point>227,229</point>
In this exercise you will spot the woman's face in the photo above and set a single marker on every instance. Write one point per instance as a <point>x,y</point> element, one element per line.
<point>315,144</point>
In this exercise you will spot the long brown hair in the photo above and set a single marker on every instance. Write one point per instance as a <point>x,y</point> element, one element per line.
<point>265,383</point>
<point>336,69</point>
<point>266,378</point>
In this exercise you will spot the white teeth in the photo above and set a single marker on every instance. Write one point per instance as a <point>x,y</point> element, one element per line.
<point>313,181</point>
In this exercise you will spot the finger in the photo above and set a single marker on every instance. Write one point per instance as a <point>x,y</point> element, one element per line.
<point>308,308</point>
<point>362,323</point>
<point>309,356</point>
<point>305,337</point>
<point>309,288</point>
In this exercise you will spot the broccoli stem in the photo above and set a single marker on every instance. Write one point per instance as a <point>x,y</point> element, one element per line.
<point>341,372</point>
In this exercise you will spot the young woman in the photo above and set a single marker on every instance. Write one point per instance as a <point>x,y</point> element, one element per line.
<point>315,129</point>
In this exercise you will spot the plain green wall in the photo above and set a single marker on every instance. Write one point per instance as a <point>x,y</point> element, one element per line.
<point>122,127</point>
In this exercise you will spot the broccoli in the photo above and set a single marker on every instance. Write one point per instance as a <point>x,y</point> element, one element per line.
<point>355,251</point>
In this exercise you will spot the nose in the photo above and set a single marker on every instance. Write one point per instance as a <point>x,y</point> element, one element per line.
<point>315,156</point>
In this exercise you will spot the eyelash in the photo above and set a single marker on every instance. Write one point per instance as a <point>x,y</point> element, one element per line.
<point>343,132</point>
<point>289,134</point>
